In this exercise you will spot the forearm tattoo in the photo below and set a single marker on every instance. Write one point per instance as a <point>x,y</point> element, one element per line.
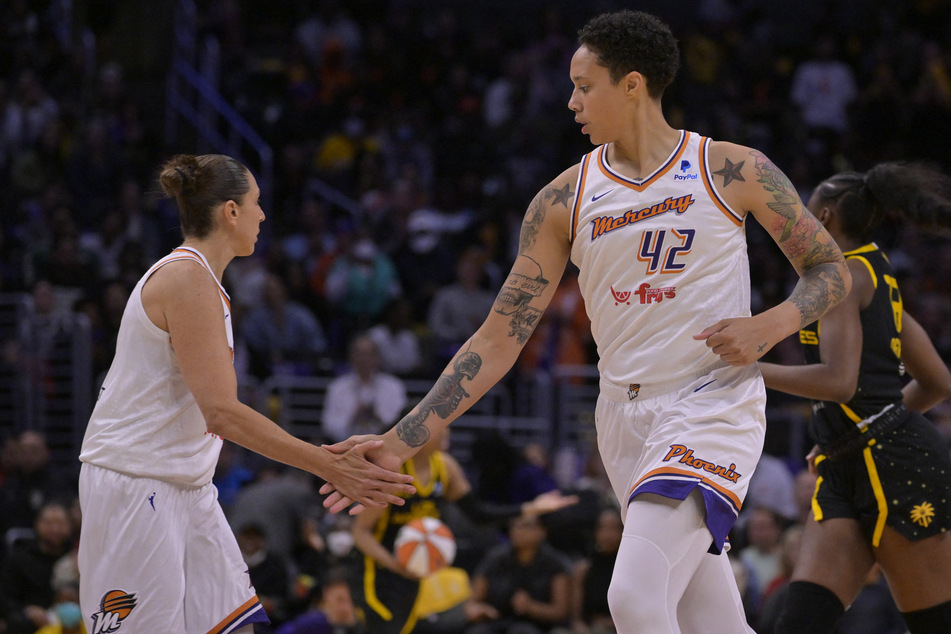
<point>805,242</point>
<point>514,301</point>
<point>443,400</point>
<point>820,288</point>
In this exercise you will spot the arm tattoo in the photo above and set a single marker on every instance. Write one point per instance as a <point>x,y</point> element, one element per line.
<point>561,195</point>
<point>514,300</point>
<point>806,243</point>
<point>785,197</point>
<point>535,215</point>
<point>443,400</point>
<point>731,172</point>
<point>819,288</point>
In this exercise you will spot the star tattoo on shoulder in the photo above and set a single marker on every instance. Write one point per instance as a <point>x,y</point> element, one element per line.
<point>731,172</point>
<point>562,195</point>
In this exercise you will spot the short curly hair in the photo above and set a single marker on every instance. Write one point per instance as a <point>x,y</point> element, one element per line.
<point>627,41</point>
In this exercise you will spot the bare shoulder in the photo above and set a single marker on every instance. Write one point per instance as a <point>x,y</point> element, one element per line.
<point>178,285</point>
<point>748,180</point>
<point>551,208</point>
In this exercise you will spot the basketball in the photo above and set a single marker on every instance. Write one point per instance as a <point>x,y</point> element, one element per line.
<point>424,545</point>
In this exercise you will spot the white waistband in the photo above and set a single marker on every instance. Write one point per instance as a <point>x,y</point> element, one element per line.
<point>643,391</point>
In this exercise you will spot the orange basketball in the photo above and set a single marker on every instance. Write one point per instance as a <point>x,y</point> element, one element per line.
<point>425,545</point>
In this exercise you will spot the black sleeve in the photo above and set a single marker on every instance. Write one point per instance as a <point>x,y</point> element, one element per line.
<point>482,512</point>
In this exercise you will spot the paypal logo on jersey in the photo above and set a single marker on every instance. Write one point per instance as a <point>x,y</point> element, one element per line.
<point>684,166</point>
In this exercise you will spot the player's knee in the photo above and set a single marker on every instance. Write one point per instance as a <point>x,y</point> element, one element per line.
<point>811,608</point>
<point>638,597</point>
<point>929,620</point>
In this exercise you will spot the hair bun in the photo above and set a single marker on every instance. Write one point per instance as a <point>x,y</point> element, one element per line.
<point>180,175</point>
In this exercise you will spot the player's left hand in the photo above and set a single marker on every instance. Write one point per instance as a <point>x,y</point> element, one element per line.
<point>738,340</point>
<point>380,455</point>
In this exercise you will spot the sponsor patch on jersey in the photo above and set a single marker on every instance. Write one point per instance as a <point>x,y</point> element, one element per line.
<point>685,174</point>
<point>645,294</point>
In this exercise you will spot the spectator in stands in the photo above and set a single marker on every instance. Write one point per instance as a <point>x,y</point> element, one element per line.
<point>331,611</point>
<point>591,577</point>
<point>282,336</point>
<point>364,399</point>
<point>270,572</point>
<point>231,474</point>
<point>70,270</point>
<point>763,554</point>
<point>524,584</point>
<point>26,588</point>
<point>278,501</point>
<point>506,476</point>
<point>774,596</point>
<point>458,309</point>
<point>823,87</point>
<point>361,282</point>
<point>67,615</point>
<point>34,482</point>
<point>563,336</point>
<point>396,340</point>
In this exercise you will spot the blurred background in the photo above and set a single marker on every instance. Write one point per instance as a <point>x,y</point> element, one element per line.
<point>397,145</point>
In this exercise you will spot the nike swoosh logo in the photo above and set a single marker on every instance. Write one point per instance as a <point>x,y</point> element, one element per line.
<point>704,385</point>
<point>594,198</point>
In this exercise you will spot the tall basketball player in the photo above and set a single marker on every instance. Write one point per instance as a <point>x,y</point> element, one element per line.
<point>654,219</point>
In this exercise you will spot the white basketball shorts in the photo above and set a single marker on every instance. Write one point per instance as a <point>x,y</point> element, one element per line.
<point>705,430</point>
<point>157,557</point>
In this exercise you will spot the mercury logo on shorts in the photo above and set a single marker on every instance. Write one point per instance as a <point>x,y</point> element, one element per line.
<point>114,607</point>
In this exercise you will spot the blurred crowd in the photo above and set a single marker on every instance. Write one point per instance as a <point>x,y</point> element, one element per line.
<point>435,125</point>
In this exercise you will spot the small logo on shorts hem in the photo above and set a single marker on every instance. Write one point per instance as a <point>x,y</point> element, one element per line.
<point>633,390</point>
<point>922,513</point>
<point>115,607</point>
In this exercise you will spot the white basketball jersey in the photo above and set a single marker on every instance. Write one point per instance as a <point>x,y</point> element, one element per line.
<point>660,259</point>
<point>146,422</point>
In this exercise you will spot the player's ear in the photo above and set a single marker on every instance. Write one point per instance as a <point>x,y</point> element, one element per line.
<point>635,84</point>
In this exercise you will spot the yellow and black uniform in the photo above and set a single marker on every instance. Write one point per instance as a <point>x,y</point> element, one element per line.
<point>879,463</point>
<point>389,598</point>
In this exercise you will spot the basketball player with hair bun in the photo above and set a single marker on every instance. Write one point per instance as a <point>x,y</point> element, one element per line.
<point>884,491</point>
<point>156,553</point>
<point>654,218</point>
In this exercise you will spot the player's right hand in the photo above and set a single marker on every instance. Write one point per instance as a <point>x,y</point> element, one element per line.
<point>362,477</point>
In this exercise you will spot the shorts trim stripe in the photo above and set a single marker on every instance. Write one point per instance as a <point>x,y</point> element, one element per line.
<point>816,509</point>
<point>879,496</point>
<point>671,473</point>
<point>240,617</point>
<point>720,513</point>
